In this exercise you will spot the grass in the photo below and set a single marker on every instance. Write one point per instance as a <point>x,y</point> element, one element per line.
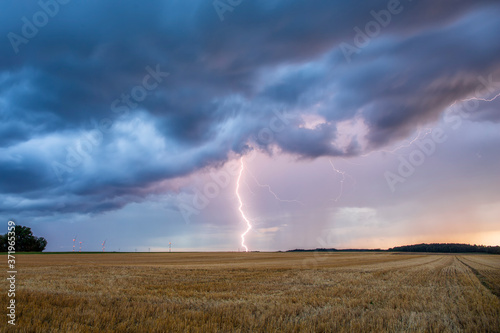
<point>256,292</point>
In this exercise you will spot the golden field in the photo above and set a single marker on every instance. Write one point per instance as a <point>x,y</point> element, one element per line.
<point>255,292</point>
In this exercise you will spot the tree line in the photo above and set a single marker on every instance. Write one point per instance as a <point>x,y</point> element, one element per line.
<point>447,248</point>
<point>24,240</point>
<point>434,247</point>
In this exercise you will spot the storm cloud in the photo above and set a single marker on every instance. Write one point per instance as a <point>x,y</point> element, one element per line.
<point>107,101</point>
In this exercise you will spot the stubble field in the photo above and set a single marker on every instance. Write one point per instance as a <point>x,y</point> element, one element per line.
<point>255,292</point>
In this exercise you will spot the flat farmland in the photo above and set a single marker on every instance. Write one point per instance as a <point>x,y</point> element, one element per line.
<point>255,292</point>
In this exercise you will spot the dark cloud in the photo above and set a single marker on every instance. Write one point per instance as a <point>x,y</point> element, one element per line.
<point>226,81</point>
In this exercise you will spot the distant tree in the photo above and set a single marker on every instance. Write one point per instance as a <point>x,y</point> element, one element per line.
<point>3,243</point>
<point>447,248</point>
<point>435,247</point>
<point>25,241</point>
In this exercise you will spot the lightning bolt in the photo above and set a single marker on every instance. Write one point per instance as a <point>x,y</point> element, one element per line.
<point>478,99</point>
<point>240,208</point>
<point>403,145</point>
<point>417,137</point>
<point>429,130</point>
<point>272,192</point>
<point>343,173</point>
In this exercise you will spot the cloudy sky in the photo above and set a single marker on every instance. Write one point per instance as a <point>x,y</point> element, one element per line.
<point>339,124</point>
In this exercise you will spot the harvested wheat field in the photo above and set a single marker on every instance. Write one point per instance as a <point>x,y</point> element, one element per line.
<point>256,292</point>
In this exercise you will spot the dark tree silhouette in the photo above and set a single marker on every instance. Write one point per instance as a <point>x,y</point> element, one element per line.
<point>25,241</point>
<point>447,248</point>
<point>435,247</point>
